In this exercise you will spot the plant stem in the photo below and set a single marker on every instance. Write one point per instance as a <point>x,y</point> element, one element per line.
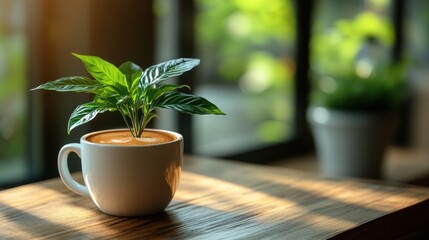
<point>141,121</point>
<point>126,122</point>
<point>136,124</point>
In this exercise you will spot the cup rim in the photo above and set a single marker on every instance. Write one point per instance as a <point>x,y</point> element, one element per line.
<point>178,137</point>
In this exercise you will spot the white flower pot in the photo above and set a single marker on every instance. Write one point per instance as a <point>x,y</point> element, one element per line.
<point>350,144</point>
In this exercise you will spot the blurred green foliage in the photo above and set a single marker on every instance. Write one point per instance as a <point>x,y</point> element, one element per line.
<point>12,80</point>
<point>334,50</point>
<point>383,90</point>
<point>248,45</point>
<point>344,81</point>
<point>235,33</point>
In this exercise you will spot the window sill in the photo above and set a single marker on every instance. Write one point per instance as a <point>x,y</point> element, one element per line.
<point>405,165</point>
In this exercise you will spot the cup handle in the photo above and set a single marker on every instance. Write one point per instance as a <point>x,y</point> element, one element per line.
<point>64,171</point>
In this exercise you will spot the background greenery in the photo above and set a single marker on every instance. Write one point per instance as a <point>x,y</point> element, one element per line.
<point>346,75</point>
<point>12,82</point>
<point>247,48</point>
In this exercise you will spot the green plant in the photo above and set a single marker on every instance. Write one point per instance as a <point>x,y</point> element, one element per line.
<point>384,88</point>
<point>351,67</point>
<point>132,91</point>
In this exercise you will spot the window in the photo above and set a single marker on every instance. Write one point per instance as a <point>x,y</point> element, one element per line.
<point>247,48</point>
<point>255,67</point>
<point>13,90</point>
<point>248,69</point>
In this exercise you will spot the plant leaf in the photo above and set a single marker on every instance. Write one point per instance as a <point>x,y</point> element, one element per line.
<point>152,93</point>
<point>103,71</point>
<point>85,113</point>
<point>133,73</point>
<point>165,70</point>
<point>187,103</point>
<point>72,84</point>
<point>109,102</point>
<point>149,117</point>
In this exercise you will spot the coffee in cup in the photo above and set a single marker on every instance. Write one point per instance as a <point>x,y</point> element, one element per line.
<point>124,137</point>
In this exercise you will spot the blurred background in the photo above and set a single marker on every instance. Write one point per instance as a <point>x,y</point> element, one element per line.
<point>256,58</point>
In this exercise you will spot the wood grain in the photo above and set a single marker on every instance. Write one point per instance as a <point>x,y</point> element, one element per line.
<point>227,200</point>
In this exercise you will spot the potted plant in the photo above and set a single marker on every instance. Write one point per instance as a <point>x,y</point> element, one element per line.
<point>133,171</point>
<point>355,98</point>
<point>353,122</point>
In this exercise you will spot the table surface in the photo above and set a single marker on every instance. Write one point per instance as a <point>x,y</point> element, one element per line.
<point>220,199</point>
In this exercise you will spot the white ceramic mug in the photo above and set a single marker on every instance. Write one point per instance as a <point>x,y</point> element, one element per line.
<point>126,180</point>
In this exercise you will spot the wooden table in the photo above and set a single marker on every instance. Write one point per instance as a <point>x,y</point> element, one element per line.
<point>220,199</point>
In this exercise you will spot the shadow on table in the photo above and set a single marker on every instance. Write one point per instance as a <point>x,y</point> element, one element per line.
<point>29,226</point>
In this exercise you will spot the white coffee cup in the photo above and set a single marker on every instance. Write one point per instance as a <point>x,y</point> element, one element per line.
<point>126,180</point>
